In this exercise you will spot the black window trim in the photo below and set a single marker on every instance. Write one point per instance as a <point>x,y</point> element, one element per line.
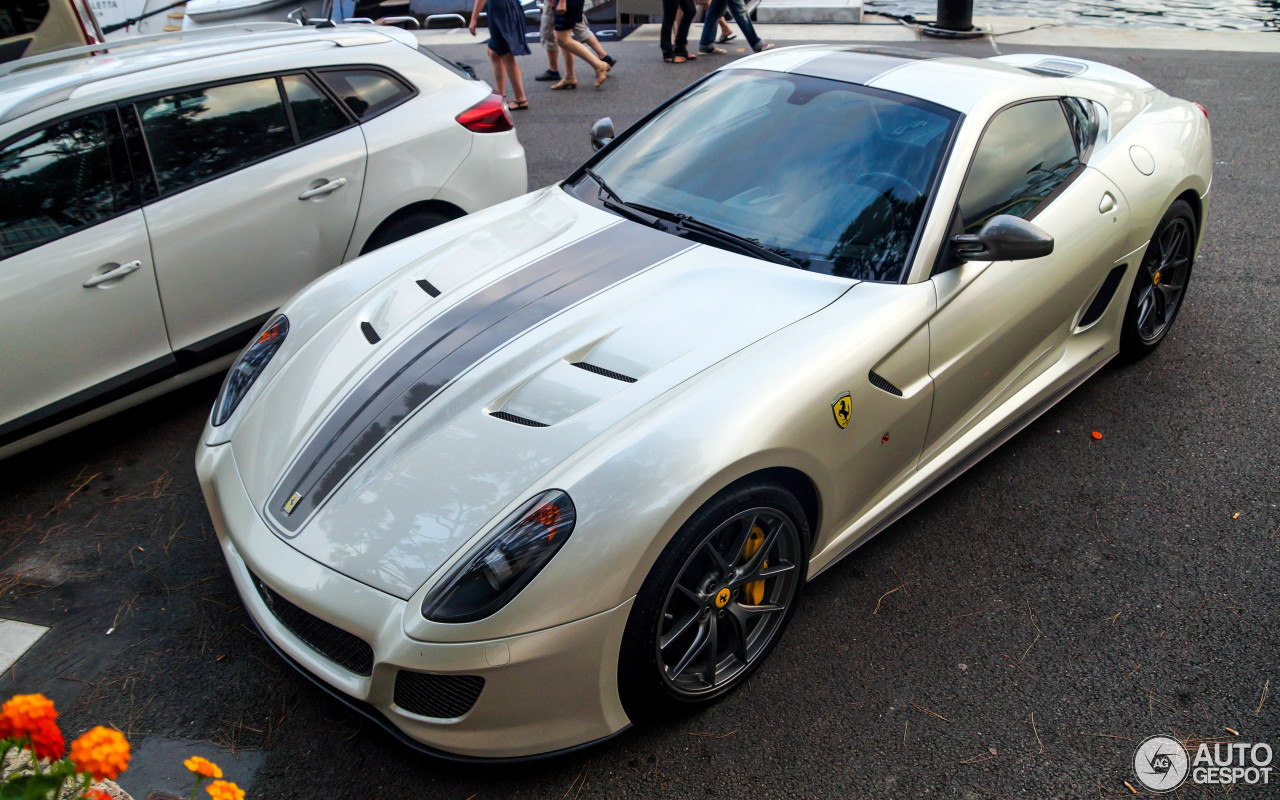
<point>943,260</point>
<point>118,131</point>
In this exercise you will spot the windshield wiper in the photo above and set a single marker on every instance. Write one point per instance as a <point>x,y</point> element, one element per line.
<point>678,224</point>
<point>742,243</point>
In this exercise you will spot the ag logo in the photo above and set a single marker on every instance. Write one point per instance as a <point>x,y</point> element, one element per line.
<point>842,408</point>
<point>1161,763</point>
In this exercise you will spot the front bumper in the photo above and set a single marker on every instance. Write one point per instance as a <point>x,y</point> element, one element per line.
<point>544,692</point>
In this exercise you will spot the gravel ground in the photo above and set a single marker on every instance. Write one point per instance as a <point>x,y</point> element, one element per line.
<point>1014,637</point>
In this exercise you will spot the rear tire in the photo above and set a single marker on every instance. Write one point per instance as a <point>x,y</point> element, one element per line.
<point>1161,283</point>
<point>403,227</point>
<point>729,579</point>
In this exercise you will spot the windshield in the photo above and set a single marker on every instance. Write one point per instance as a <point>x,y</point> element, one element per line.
<point>832,175</point>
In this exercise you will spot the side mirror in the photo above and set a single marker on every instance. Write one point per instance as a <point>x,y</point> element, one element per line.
<point>601,132</point>
<point>1003,238</point>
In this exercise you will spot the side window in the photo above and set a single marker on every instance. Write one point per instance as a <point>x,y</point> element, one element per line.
<point>199,134</point>
<point>314,113</point>
<point>1082,116</point>
<point>1026,152</point>
<point>365,91</point>
<point>62,179</point>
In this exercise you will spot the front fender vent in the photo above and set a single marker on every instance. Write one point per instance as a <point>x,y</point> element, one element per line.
<point>441,696</point>
<point>608,373</point>
<point>883,385</point>
<point>532,423</point>
<point>1103,298</point>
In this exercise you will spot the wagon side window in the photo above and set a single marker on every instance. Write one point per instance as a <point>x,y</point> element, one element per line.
<point>1026,153</point>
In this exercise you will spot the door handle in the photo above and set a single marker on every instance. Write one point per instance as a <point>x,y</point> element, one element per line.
<point>1108,203</point>
<point>324,188</point>
<point>115,273</point>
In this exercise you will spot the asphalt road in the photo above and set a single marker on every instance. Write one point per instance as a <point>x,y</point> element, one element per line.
<point>1014,637</point>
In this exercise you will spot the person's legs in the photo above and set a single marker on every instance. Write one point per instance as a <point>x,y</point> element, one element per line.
<point>670,8</point>
<point>570,74</point>
<point>715,11</point>
<point>547,35</point>
<point>499,77</point>
<point>739,11</point>
<point>517,81</point>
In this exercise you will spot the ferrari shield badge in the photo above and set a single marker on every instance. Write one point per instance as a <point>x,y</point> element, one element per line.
<point>842,408</point>
<point>293,501</point>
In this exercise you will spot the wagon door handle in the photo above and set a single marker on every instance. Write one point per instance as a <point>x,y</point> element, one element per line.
<point>113,273</point>
<point>1108,203</point>
<point>324,188</point>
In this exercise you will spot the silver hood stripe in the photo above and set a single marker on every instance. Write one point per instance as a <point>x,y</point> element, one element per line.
<point>448,345</point>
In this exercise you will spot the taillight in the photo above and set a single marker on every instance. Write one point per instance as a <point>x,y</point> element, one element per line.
<point>1203,110</point>
<point>490,115</point>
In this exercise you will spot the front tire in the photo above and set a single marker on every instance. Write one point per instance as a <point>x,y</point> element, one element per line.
<point>715,602</point>
<point>1161,283</point>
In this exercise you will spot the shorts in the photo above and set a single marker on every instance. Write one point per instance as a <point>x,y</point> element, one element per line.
<point>572,16</point>
<point>581,31</point>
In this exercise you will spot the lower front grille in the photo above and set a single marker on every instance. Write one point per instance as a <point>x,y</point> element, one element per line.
<point>344,649</point>
<point>441,696</point>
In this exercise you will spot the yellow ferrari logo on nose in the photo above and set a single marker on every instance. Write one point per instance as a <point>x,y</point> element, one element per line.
<point>291,502</point>
<point>842,408</point>
<point>722,599</point>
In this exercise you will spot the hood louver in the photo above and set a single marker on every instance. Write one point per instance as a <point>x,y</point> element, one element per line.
<point>532,423</point>
<point>608,373</point>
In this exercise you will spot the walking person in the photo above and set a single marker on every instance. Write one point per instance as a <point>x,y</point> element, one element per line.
<point>506,41</point>
<point>739,11</point>
<point>569,13</point>
<point>678,14</point>
<point>582,32</point>
<point>726,33</point>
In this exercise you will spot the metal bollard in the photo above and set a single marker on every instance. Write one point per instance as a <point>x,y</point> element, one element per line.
<point>955,15</point>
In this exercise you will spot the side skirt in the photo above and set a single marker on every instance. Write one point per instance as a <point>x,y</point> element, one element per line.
<point>979,452</point>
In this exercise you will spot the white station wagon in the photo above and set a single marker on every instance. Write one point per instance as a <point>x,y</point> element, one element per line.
<point>161,197</point>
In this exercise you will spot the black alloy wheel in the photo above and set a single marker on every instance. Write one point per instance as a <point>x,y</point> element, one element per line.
<point>715,603</point>
<point>1161,282</point>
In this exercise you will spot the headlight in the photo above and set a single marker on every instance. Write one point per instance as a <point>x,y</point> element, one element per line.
<point>486,578</point>
<point>247,368</point>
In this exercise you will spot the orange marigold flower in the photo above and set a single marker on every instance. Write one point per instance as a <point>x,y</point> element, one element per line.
<point>32,716</point>
<point>203,767</point>
<point>225,790</point>
<point>102,752</point>
<point>96,794</point>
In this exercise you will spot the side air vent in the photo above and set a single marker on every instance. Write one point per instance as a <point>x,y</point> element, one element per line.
<point>608,373</point>
<point>441,696</point>
<point>426,286</point>
<point>883,385</point>
<point>1103,298</point>
<point>532,423</point>
<point>370,333</point>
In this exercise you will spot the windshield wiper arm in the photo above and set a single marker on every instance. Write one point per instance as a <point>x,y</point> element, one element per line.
<point>750,246</point>
<point>683,223</point>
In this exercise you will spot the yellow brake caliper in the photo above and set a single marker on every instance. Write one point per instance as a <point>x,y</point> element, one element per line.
<point>753,592</point>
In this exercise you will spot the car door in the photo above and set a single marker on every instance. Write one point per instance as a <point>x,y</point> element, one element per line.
<point>78,302</point>
<point>258,184</point>
<point>1001,324</point>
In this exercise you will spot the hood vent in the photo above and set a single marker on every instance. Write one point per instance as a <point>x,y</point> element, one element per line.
<point>425,285</point>
<point>370,333</point>
<point>608,373</point>
<point>532,423</point>
<point>883,385</point>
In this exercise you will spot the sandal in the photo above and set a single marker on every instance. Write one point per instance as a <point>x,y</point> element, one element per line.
<point>602,75</point>
<point>518,105</point>
<point>728,37</point>
<point>565,83</point>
